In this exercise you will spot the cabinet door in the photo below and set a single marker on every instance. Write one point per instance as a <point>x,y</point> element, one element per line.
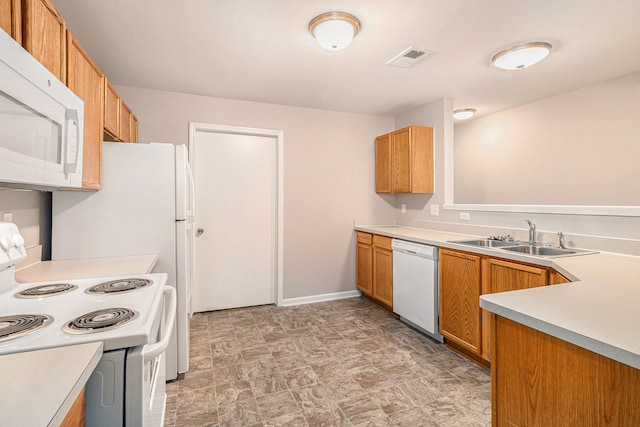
<point>364,268</point>
<point>383,275</point>
<point>556,278</point>
<point>384,159</point>
<point>401,143</point>
<point>134,128</point>
<point>125,122</point>
<point>421,159</point>
<point>10,18</point>
<point>460,284</point>
<point>43,35</point>
<point>77,415</point>
<point>364,262</point>
<point>502,276</point>
<point>84,78</point>
<point>111,110</point>
<point>510,276</point>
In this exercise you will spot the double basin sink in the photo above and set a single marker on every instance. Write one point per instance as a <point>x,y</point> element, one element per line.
<point>523,248</point>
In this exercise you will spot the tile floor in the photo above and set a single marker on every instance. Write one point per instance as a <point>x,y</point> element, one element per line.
<point>339,363</point>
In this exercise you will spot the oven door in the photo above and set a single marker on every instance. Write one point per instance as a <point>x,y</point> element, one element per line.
<point>145,371</point>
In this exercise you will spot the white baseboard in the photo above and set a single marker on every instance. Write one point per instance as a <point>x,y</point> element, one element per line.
<point>287,302</point>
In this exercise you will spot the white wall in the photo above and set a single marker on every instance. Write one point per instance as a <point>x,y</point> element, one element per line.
<point>579,227</point>
<point>578,148</point>
<point>329,175</point>
<point>31,213</point>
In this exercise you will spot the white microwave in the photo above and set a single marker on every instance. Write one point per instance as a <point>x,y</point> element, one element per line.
<point>41,124</point>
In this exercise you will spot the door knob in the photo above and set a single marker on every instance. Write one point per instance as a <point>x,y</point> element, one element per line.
<point>199,231</point>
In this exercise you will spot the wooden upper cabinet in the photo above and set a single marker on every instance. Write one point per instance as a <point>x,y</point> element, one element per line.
<point>84,78</point>
<point>120,124</point>
<point>43,35</point>
<point>111,110</point>
<point>134,128</point>
<point>11,18</point>
<point>460,286</point>
<point>128,124</point>
<point>384,158</point>
<point>125,122</point>
<point>404,161</point>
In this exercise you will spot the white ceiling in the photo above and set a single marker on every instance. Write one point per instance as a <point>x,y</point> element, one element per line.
<point>261,50</point>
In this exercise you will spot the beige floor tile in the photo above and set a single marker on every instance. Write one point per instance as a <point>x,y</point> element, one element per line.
<point>240,413</point>
<point>337,363</point>
<point>277,405</point>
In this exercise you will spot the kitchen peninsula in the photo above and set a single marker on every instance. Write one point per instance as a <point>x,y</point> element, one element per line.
<point>565,354</point>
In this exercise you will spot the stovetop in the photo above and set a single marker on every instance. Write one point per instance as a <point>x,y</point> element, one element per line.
<point>75,300</point>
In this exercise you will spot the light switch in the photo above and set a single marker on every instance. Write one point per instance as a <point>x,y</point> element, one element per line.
<point>403,208</point>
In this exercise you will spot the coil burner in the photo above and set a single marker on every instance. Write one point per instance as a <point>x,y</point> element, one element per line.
<point>46,290</point>
<point>100,321</point>
<point>19,325</point>
<point>121,285</point>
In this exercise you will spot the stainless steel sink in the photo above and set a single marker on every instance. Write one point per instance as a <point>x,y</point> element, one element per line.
<point>485,243</point>
<point>539,250</point>
<point>523,248</point>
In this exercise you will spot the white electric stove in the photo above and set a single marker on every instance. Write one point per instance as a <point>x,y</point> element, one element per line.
<point>132,315</point>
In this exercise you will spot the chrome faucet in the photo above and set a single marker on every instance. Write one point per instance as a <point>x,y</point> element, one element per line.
<point>561,240</point>
<point>532,232</point>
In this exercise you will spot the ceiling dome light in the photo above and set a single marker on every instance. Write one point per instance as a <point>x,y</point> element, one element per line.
<point>334,30</point>
<point>521,56</point>
<point>463,114</point>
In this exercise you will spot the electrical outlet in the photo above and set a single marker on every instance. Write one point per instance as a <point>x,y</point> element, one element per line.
<point>435,210</point>
<point>403,208</point>
<point>7,217</point>
<point>465,216</point>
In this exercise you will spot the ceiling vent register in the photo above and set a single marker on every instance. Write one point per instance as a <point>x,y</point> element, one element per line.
<point>409,57</point>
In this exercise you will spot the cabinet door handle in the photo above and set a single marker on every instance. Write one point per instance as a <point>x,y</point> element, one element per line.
<point>199,231</point>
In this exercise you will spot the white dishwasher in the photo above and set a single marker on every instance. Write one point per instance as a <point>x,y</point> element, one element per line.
<point>415,286</point>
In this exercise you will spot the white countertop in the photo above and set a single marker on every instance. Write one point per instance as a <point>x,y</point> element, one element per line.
<point>41,386</point>
<point>70,269</point>
<point>599,310</point>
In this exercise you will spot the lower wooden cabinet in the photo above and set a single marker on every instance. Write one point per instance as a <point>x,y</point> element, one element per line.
<point>383,270</point>
<point>460,288</point>
<point>464,277</point>
<point>540,380</point>
<point>364,262</point>
<point>77,415</point>
<point>374,267</point>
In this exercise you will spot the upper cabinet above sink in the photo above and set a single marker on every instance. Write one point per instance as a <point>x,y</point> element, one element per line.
<point>404,161</point>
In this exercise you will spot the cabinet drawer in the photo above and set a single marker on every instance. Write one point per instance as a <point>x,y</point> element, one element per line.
<point>364,237</point>
<point>382,242</point>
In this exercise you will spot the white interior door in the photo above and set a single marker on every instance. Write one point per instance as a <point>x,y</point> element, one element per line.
<point>236,185</point>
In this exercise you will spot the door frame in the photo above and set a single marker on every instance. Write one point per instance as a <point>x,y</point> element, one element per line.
<point>195,127</point>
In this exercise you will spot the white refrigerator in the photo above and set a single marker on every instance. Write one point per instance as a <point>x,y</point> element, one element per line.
<point>146,206</point>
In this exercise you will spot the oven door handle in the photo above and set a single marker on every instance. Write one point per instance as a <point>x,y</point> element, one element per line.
<point>150,352</point>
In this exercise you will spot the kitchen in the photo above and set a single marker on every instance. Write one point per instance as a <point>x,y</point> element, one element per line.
<point>314,137</point>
